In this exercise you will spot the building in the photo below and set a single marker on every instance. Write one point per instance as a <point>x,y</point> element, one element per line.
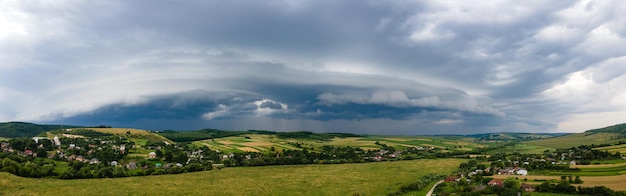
<point>152,155</point>
<point>528,187</point>
<point>56,141</point>
<point>496,182</point>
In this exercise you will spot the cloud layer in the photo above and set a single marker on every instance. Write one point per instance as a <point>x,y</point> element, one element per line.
<point>375,67</point>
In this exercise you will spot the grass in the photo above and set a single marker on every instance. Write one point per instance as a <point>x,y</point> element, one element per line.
<point>613,165</point>
<point>378,178</point>
<point>606,171</point>
<point>613,149</point>
<point>523,149</point>
<point>613,182</point>
<point>577,139</point>
<point>264,142</point>
<point>138,134</point>
<point>4,139</point>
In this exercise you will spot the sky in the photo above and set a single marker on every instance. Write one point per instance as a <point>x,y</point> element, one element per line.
<point>356,66</point>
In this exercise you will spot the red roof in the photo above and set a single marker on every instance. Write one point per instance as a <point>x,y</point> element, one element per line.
<point>451,178</point>
<point>496,182</point>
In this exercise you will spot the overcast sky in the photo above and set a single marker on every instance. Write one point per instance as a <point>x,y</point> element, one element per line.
<point>371,67</point>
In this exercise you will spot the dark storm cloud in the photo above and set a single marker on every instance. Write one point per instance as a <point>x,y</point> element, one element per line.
<point>355,66</point>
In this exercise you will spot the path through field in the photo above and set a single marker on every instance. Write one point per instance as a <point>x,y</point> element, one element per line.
<point>433,189</point>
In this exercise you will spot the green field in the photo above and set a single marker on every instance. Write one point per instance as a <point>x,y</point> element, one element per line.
<point>378,178</point>
<point>136,134</point>
<point>613,149</point>
<point>577,139</point>
<point>4,139</point>
<point>264,142</point>
<point>522,148</point>
<point>612,182</point>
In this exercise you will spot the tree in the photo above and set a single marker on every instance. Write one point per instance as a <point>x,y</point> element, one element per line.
<point>570,178</point>
<point>512,183</point>
<point>577,180</point>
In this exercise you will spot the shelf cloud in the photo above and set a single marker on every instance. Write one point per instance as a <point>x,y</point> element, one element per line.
<point>375,67</point>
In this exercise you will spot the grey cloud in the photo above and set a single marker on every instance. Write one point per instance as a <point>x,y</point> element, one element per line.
<point>316,65</point>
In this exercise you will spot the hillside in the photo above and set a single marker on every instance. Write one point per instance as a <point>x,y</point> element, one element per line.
<point>514,136</point>
<point>137,135</point>
<point>619,129</point>
<point>23,129</point>
<point>607,135</point>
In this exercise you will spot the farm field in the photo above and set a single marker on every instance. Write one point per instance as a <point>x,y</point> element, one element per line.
<point>142,134</point>
<point>613,182</point>
<point>613,149</point>
<point>622,164</point>
<point>577,139</point>
<point>604,171</point>
<point>264,142</point>
<point>377,178</point>
<point>523,149</point>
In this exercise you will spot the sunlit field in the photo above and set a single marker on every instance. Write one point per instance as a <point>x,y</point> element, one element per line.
<point>378,178</point>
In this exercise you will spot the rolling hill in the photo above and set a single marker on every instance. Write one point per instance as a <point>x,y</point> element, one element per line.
<point>607,135</point>
<point>23,129</point>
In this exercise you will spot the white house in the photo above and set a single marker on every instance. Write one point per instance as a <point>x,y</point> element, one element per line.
<point>522,172</point>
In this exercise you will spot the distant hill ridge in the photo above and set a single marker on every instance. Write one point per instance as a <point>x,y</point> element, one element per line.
<point>619,128</point>
<point>24,129</point>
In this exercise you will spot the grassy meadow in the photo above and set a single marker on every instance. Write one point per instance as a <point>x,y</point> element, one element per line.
<point>377,178</point>
<point>264,142</point>
<point>577,139</point>
<point>522,148</point>
<point>140,135</point>
<point>613,149</point>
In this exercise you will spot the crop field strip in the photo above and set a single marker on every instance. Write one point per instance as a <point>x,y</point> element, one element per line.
<point>613,149</point>
<point>577,139</point>
<point>613,182</point>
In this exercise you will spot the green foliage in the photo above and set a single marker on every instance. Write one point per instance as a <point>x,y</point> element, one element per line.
<point>22,129</point>
<point>619,128</point>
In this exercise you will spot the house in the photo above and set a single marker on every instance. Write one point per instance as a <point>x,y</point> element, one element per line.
<point>132,165</point>
<point>113,163</point>
<point>522,172</point>
<point>94,161</point>
<point>451,179</point>
<point>80,158</point>
<point>152,155</point>
<point>28,152</point>
<point>158,164</point>
<point>528,187</point>
<point>496,182</point>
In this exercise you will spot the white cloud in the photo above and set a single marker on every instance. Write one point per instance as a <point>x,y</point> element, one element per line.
<point>221,110</point>
<point>449,121</point>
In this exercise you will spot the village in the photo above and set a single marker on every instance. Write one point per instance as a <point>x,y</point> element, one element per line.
<point>75,155</point>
